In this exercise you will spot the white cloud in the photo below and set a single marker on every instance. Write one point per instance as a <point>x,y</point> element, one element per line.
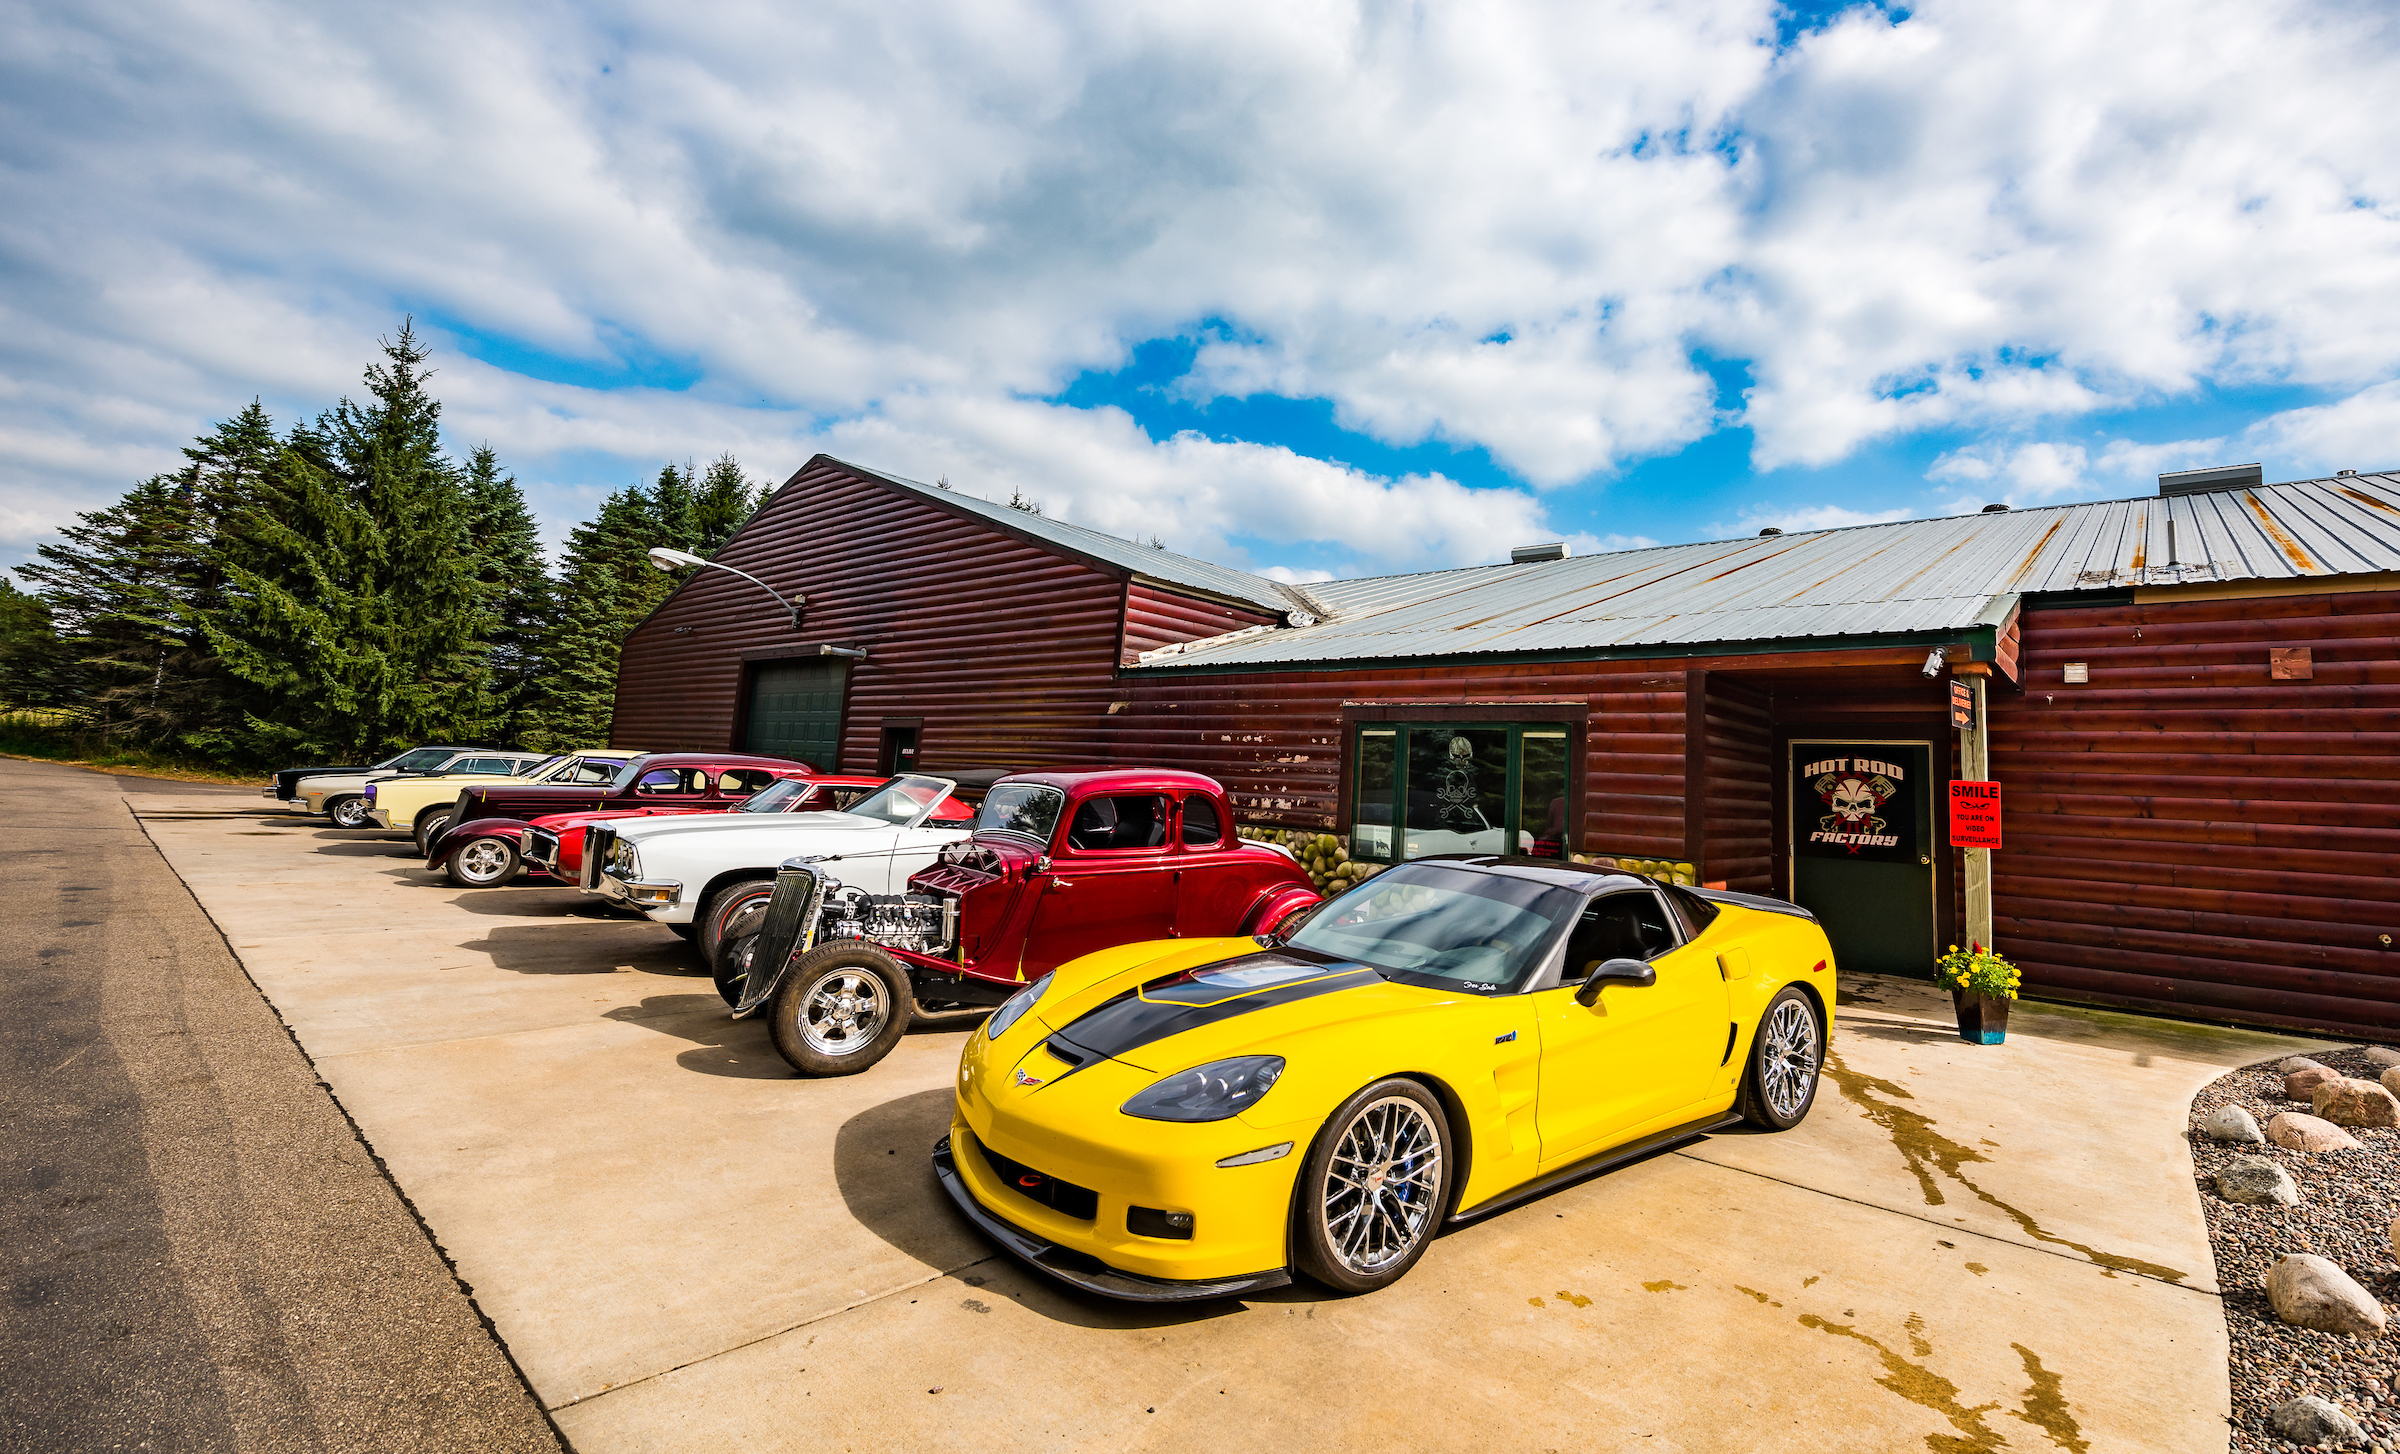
<point>885,226</point>
<point>1805,517</point>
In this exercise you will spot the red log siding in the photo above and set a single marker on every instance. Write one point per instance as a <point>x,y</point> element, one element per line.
<point>2185,832</point>
<point>1006,649</point>
<point>1275,739</point>
<point>1156,618</point>
<point>1739,818</point>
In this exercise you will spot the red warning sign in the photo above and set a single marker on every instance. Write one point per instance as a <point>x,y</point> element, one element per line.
<point>1974,815</point>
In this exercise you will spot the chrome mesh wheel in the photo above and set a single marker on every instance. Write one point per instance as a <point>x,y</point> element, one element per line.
<point>844,1012</point>
<point>486,860</point>
<point>1787,1062</point>
<point>1381,1188</point>
<point>348,813</point>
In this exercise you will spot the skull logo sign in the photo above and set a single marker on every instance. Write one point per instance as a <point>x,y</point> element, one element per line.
<point>1855,802</point>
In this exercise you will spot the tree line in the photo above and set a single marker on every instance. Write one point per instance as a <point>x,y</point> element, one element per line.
<point>344,588</point>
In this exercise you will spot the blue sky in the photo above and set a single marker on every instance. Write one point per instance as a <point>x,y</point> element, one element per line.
<point>1313,288</point>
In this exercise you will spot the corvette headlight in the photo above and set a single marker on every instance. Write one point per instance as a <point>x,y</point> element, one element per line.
<point>1211,1092</point>
<point>1014,1009</point>
<point>624,860</point>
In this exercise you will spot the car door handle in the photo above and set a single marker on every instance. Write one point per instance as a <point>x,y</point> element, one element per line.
<point>1061,883</point>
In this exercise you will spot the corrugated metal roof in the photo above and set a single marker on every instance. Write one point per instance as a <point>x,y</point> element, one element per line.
<point>1163,566</point>
<point>1907,576</point>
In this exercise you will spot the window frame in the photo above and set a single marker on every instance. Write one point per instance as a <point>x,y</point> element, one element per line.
<point>1401,722</point>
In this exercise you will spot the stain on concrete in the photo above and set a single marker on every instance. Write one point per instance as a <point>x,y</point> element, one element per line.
<point>1754,1292</point>
<point>1916,1336</point>
<point>1537,1302</point>
<point>1922,1386</point>
<point>1574,1300</point>
<point>1928,1153</point>
<point>2045,1406</point>
<point>1662,1285</point>
<point>1977,1268</point>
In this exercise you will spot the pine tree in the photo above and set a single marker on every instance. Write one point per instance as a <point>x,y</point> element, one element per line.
<point>723,502</point>
<point>352,604</point>
<point>36,666</point>
<point>118,586</point>
<point>606,586</point>
<point>508,548</point>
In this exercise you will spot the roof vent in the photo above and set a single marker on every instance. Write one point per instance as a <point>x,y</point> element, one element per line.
<point>1995,508</point>
<point>1526,554</point>
<point>2217,477</point>
<point>1772,530</point>
<point>2343,474</point>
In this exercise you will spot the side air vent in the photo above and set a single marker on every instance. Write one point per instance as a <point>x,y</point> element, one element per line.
<point>1527,554</point>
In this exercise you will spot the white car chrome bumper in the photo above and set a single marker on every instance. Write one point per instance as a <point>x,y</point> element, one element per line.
<point>661,899</point>
<point>382,816</point>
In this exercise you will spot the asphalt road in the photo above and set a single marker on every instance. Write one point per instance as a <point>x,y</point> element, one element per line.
<point>200,1252</point>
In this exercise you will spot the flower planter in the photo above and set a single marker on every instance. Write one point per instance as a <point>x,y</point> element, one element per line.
<point>1982,1019</point>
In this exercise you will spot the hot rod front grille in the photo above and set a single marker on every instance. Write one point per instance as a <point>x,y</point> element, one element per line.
<point>791,916</point>
<point>597,840</point>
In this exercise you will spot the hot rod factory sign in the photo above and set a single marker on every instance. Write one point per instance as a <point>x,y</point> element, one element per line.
<point>1854,803</point>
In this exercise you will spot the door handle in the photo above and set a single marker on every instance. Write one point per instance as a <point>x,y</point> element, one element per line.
<point>1061,883</point>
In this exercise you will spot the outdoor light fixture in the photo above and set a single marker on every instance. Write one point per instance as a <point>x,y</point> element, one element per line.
<point>1933,658</point>
<point>668,559</point>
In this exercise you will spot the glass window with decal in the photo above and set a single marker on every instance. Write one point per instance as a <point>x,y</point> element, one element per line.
<point>1419,789</point>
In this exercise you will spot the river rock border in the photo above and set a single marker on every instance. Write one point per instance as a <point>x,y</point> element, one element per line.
<point>2347,1202</point>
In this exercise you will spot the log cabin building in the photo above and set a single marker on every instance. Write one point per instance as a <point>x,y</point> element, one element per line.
<point>2191,703</point>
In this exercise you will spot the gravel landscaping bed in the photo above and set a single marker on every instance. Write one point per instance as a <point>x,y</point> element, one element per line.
<point>2347,1201</point>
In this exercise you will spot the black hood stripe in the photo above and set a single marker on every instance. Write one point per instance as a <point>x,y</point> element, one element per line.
<point>1131,1021</point>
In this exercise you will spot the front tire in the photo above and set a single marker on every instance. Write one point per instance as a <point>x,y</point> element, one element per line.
<point>732,912</point>
<point>1374,1189</point>
<point>842,1009</point>
<point>350,812</point>
<point>480,863</point>
<point>429,827</point>
<point>1780,1082</point>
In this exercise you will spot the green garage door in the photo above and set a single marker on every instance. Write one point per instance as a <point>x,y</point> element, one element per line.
<point>796,711</point>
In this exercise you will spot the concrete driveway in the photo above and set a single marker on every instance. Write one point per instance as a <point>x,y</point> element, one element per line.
<point>684,1246</point>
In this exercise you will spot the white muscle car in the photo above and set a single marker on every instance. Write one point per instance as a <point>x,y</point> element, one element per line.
<point>697,875</point>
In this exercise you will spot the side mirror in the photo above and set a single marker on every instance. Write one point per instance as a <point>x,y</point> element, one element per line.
<point>1631,972</point>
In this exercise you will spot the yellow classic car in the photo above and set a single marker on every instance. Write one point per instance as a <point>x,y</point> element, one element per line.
<point>421,805</point>
<point>1188,1119</point>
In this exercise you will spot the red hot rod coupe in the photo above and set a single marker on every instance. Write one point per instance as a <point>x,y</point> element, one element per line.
<point>1060,864</point>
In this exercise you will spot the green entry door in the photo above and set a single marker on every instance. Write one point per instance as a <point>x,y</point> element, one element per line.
<point>796,711</point>
<point>1862,850</point>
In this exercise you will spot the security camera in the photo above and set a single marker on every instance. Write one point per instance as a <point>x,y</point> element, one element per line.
<point>1933,661</point>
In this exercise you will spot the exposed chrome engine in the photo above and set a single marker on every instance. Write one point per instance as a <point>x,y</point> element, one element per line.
<point>920,923</point>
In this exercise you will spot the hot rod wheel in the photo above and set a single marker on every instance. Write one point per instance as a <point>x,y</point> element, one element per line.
<point>842,1008</point>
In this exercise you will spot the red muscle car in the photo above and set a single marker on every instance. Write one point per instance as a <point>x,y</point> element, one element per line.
<point>554,845</point>
<point>1060,864</point>
<point>478,843</point>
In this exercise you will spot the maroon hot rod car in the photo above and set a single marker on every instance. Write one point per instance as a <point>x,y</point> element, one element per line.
<point>497,812</point>
<point>1061,864</point>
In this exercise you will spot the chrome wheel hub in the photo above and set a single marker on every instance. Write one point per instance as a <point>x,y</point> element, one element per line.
<point>483,859</point>
<point>844,1012</point>
<point>1380,1189</point>
<point>1787,1062</point>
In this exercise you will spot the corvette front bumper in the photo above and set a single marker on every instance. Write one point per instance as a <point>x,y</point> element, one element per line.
<point>1081,1269</point>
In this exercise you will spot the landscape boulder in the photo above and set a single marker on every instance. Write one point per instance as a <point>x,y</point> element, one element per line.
<point>2309,1419</point>
<point>2309,1291</point>
<point>2254,1179</point>
<point>2391,1080</point>
<point>2301,1084</point>
<point>2307,1133</point>
<point>2231,1123</point>
<point>2355,1103</point>
<point>2383,1055</point>
<point>2291,1063</point>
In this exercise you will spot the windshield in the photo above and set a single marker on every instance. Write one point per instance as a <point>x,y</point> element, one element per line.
<point>421,759</point>
<point>1027,808</point>
<point>774,797</point>
<point>1453,928</point>
<point>902,801</point>
<point>626,775</point>
<point>539,770</point>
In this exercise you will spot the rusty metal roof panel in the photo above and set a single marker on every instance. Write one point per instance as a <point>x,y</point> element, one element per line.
<point>1866,580</point>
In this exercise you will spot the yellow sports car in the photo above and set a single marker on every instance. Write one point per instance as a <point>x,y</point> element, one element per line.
<point>1194,1119</point>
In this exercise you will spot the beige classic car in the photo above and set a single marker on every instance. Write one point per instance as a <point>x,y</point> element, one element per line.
<point>421,805</point>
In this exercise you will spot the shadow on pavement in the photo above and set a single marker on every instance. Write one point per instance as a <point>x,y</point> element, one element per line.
<point>535,901</point>
<point>595,948</point>
<point>739,1049</point>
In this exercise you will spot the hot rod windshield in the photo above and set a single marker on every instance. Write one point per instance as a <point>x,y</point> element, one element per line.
<point>1027,808</point>
<point>903,802</point>
<point>1429,924</point>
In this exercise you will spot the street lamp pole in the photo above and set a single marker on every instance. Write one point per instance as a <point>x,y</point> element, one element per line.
<point>667,559</point>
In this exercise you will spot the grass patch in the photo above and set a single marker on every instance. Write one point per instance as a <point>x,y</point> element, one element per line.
<point>62,737</point>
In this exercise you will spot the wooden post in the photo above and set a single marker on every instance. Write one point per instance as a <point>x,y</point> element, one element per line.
<point>1975,760</point>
